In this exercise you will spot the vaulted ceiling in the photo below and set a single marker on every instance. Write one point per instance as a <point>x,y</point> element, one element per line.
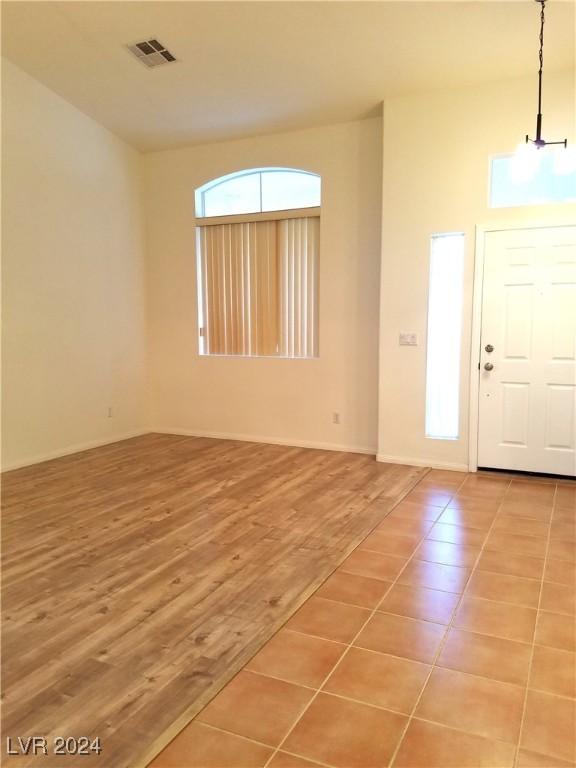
<point>245,68</point>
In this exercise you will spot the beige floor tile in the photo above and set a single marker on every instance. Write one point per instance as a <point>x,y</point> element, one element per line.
<point>407,527</point>
<point>389,544</point>
<point>427,745</point>
<point>447,485</point>
<point>521,526</point>
<point>560,572</point>
<point>556,631</point>
<point>199,746</point>
<point>473,704</point>
<point>374,565</point>
<point>447,554</point>
<point>512,565</point>
<point>560,515</point>
<point>447,578</point>
<point>346,734</point>
<point>549,725</point>
<point>378,679</point>
<point>327,619</point>
<point>526,510</point>
<point>531,480</point>
<point>445,475</point>
<point>553,671</point>
<point>484,487</point>
<point>512,622</point>
<point>534,491</point>
<point>467,518</point>
<point>504,588</point>
<point>516,544</point>
<point>429,496</point>
<point>562,550</point>
<point>534,760</point>
<point>297,658</point>
<point>420,603</point>
<point>558,598</point>
<point>353,590</point>
<point>566,497</point>
<point>563,531</point>
<point>414,511</point>
<point>466,503</point>
<point>284,760</point>
<point>457,534</point>
<point>505,660</point>
<point>257,707</point>
<point>401,636</point>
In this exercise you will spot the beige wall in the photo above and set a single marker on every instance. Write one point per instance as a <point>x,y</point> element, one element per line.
<point>436,155</point>
<point>269,399</point>
<point>73,278</point>
<point>76,334</point>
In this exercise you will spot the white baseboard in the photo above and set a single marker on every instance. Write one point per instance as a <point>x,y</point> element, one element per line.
<point>433,463</point>
<point>77,448</point>
<point>266,439</point>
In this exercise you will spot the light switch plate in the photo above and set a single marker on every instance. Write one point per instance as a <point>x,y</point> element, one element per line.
<point>407,339</point>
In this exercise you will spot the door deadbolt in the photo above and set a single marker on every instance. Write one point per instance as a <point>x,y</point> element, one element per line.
<point>488,366</point>
<point>489,348</point>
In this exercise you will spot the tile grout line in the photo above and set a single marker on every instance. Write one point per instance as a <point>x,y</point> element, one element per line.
<point>477,675</point>
<point>531,661</point>
<point>262,744</point>
<point>251,740</point>
<point>448,628</point>
<point>438,623</point>
<point>350,644</point>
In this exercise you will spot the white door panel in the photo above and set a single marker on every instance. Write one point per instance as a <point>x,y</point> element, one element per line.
<point>560,417</point>
<point>515,404</point>
<point>527,407</point>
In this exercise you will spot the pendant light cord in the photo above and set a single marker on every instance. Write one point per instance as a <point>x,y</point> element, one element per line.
<point>541,56</point>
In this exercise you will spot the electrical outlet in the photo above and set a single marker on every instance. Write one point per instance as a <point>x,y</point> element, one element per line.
<point>408,339</point>
<point>335,418</point>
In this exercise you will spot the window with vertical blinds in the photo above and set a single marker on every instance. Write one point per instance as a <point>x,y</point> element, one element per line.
<point>258,283</point>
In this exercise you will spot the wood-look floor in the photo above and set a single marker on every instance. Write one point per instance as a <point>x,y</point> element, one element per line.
<point>138,578</point>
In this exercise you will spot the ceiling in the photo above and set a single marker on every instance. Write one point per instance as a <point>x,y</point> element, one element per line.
<point>246,68</point>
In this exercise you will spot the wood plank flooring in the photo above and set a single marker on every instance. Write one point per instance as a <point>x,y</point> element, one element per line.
<point>138,578</point>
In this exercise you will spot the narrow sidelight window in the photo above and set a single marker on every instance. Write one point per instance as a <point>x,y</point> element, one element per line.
<point>444,336</point>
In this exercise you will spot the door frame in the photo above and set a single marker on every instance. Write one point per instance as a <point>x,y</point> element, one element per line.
<point>476,333</point>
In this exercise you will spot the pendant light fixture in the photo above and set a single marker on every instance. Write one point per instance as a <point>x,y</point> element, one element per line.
<point>539,142</point>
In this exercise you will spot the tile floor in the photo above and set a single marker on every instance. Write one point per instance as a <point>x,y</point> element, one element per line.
<point>445,640</point>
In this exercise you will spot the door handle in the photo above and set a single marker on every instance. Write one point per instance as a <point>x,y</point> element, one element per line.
<point>489,348</point>
<point>488,367</point>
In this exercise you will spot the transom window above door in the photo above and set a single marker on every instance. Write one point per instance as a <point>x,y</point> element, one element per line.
<point>257,264</point>
<point>258,190</point>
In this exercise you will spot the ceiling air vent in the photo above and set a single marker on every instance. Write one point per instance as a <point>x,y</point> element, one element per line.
<point>151,53</point>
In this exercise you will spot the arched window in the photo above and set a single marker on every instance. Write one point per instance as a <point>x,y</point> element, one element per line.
<point>258,190</point>
<point>257,246</point>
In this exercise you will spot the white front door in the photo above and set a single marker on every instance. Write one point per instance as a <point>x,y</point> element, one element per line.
<point>527,407</point>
